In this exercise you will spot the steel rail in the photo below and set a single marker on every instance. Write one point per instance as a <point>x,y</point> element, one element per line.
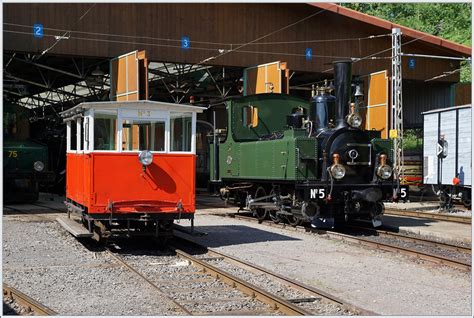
<point>275,302</point>
<point>366,242</point>
<point>430,216</point>
<point>124,263</point>
<point>309,290</point>
<point>29,303</point>
<point>412,239</point>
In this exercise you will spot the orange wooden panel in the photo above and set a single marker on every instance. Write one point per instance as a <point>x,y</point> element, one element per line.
<point>377,110</point>
<point>125,77</point>
<point>259,79</point>
<point>132,75</point>
<point>273,77</point>
<point>121,76</point>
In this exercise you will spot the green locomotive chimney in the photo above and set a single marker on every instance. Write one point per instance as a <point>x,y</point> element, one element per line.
<point>342,82</point>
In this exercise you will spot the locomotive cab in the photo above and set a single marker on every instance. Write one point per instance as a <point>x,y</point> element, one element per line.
<point>130,167</point>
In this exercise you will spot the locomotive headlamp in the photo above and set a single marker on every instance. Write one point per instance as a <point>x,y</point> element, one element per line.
<point>38,166</point>
<point>145,157</point>
<point>337,170</point>
<point>354,119</point>
<point>384,171</point>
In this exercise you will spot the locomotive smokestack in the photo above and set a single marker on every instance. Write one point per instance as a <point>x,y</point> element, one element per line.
<point>342,82</point>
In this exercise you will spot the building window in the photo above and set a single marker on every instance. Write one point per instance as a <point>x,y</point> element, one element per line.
<point>181,131</point>
<point>143,135</point>
<point>105,131</point>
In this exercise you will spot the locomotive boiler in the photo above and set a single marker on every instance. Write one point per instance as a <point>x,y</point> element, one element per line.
<point>295,161</point>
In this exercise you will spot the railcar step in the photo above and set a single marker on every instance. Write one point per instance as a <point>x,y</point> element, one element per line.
<point>73,227</point>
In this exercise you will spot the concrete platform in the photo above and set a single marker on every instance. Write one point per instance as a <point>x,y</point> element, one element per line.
<point>445,231</point>
<point>47,203</point>
<point>415,206</point>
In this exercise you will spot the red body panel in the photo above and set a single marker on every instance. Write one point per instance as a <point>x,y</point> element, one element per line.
<point>96,180</point>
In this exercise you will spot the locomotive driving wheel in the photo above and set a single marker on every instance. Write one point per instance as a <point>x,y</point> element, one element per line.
<point>293,220</point>
<point>260,213</point>
<point>273,213</point>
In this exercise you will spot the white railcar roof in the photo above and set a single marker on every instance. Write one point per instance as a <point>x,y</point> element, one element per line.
<point>141,104</point>
<point>446,109</point>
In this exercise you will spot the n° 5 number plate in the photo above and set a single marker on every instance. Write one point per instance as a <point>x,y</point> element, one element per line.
<point>403,192</point>
<point>317,193</point>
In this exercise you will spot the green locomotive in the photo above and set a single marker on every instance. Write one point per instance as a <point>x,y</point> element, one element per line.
<point>282,157</point>
<point>25,162</point>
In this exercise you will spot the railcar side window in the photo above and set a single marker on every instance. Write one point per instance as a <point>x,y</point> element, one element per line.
<point>143,135</point>
<point>73,140</point>
<point>181,131</point>
<point>105,131</point>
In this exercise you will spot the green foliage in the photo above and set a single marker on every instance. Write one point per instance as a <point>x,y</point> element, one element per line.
<point>451,21</point>
<point>412,140</point>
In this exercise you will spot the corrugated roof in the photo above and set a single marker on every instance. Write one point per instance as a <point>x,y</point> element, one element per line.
<point>457,48</point>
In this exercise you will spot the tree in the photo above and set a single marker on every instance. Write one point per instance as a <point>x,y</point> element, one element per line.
<point>451,21</point>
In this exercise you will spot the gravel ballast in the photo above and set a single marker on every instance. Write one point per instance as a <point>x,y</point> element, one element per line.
<point>49,265</point>
<point>382,282</point>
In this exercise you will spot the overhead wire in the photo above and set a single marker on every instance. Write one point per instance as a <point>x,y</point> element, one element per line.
<point>445,74</point>
<point>370,56</point>
<point>203,42</point>
<point>177,46</point>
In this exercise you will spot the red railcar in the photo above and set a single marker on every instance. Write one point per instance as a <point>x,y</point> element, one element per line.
<point>130,167</point>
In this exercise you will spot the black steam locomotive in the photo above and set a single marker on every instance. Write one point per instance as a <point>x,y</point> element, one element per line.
<point>296,161</point>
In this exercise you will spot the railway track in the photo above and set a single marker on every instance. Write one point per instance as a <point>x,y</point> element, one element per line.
<point>456,262</point>
<point>309,297</point>
<point>430,216</point>
<point>212,283</point>
<point>29,305</point>
<point>233,292</point>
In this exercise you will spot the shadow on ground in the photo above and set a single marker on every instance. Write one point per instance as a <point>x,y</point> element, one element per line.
<point>223,235</point>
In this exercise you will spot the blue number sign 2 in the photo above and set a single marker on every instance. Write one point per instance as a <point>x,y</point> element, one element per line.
<point>38,30</point>
<point>308,54</point>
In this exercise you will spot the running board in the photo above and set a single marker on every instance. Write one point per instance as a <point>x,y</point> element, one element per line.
<point>73,227</point>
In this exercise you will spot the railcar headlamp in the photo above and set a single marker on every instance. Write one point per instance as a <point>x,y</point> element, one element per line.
<point>38,166</point>
<point>354,120</point>
<point>145,157</point>
<point>337,170</point>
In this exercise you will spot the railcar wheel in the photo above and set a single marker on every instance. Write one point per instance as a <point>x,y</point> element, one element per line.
<point>273,213</point>
<point>260,213</point>
<point>446,201</point>
<point>466,199</point>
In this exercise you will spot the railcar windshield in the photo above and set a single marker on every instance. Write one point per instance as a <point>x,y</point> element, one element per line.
<point>143,135</point>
